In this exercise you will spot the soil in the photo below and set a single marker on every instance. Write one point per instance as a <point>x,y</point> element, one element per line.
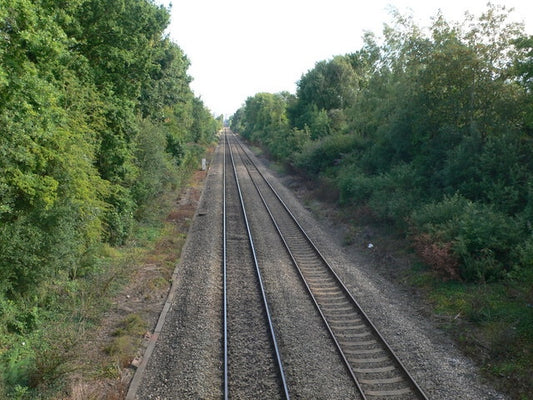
<point>144,295</point>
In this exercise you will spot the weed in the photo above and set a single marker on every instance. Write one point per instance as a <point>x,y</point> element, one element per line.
<point>110,371</point>
<point>157,284</point>
<point>132,325</point>
<point>350,236</point>
<point>122,349</point>
<point>127,338</point>
<point>494,324</point>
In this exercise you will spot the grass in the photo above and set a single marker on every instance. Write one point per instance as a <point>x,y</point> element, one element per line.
<point>492,322</point>
<point>127,339</point>
<point>38,357</point>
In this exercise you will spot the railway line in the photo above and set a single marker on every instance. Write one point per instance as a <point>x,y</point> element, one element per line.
<point>252,364</point>
<point>373,366</point>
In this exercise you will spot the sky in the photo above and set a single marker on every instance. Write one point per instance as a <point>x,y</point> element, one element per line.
<point>238,48</point>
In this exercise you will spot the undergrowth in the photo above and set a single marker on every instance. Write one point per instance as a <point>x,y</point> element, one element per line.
<point>492,322</point>
<point>42,336</point>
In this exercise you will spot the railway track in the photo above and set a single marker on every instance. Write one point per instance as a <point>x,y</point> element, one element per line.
<point>374,367</point>
<point>252,362</point>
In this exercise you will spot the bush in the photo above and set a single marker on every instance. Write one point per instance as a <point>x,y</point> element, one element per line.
<point>439,256</point>
<point>355,187</point>
<point>284,142</point>
<point>192,157</point>
<point>434,218</point>
<point>23,256</point>
<point>318,156</point>
<point>154,163</point>
<point>484,240</point>
<point>391,196</point>
<point>118,217</point>
<point>524,253</point>
<point>16,354</point>
<point>396,193</point>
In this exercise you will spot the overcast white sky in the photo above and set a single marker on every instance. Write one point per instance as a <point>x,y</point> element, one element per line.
<point>238,48</point>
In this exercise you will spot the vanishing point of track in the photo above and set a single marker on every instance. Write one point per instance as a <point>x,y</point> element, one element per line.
<point>374,367</point>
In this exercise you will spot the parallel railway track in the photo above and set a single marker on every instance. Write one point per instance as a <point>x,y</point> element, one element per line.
<point>252,363</point>
<point>374,367</point>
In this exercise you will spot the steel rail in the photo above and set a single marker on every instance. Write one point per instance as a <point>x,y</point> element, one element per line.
<point>224,273</point>
<point>417,390</point>
<point>259,277</point>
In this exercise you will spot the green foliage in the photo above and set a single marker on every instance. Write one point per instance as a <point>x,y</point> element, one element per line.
<point>17,352</point>
<point>354,185</point>
<point>485,240</point>
<point>493,323</point>
<point>76,158</point>
<point>429,123</point>
<point>154,162</point>
<point>317,122</point>
<point>96,119</point>
<point>394,193</point>
<point>169,83</point>
<point>320,155</point>
<point>264,120</point>
<point>391,195</point>
<point>524,254</point>
<point>118,216</point>
<point>329,85</point>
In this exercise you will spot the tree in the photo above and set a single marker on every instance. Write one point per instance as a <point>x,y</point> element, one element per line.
<point>323,94</point>
<point>51,193</point>
<point>523,69</point>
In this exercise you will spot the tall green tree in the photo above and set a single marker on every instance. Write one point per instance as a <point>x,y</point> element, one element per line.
<point>322,96</point>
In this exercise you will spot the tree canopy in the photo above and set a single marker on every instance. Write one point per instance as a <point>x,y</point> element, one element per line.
<point>80,84</point>
<point>428,119</point>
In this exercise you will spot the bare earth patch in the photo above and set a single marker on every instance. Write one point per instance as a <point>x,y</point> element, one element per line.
<point>109,354</point>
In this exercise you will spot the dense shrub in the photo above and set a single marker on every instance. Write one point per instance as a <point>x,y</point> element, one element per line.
<point>355,186</point>
<point>440,256</point>
<point>394,194</point>
<point>96,118</point>
<point>155,163</point>
<point>320,155</point>
<point>484,240</point>
<point>524,253</point>
<point>391,195</point>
